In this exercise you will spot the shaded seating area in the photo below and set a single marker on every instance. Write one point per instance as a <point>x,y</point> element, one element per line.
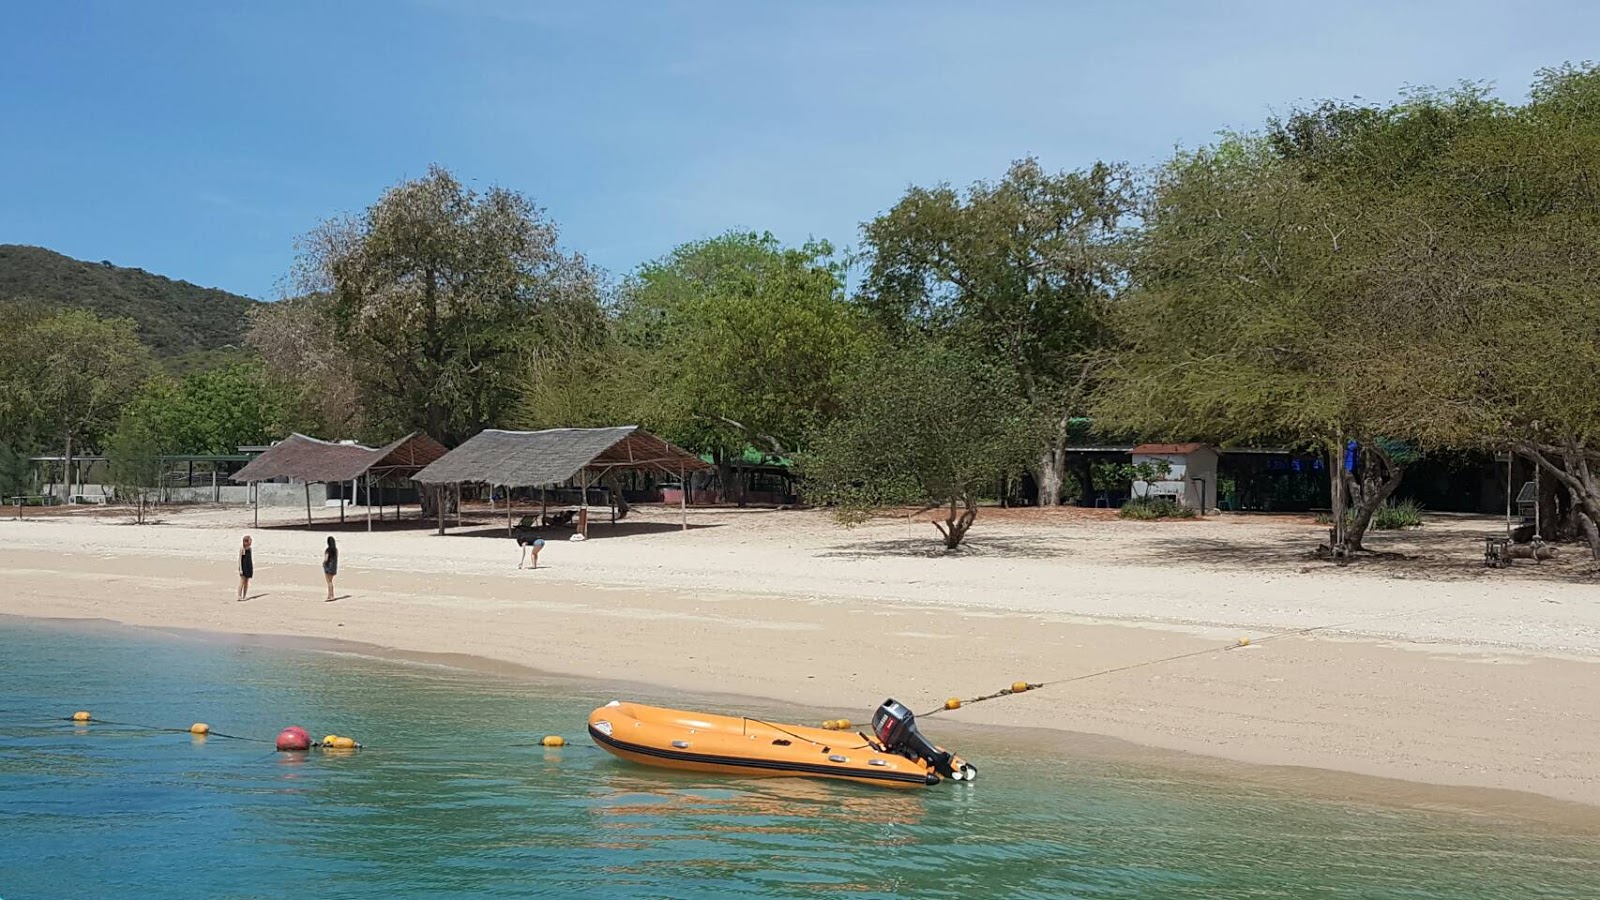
<point>309,460</point>
<point>554,457</point>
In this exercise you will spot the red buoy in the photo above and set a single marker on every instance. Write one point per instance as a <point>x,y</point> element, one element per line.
<point>293,739</point>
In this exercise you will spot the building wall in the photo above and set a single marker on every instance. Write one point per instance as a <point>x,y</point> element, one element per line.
<point>1180,481</point>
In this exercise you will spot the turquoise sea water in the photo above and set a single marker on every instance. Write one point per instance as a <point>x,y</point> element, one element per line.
<point>454,799</point>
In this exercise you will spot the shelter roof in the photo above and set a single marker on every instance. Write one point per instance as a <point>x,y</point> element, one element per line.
<point>308,459</point>
<point>552,456</point>
<point>1168,449</point>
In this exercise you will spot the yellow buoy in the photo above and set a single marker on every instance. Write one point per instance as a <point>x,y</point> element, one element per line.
<point>1018,687</point>
<point>1244,642</point>
<point>81,716</point>
<point>844,724</point>
<point>200,728</point>
<point>342,743</point>
<point>953,703</point>
<point>328,741</point>
<point>827,724</point>
<point>554,740</point>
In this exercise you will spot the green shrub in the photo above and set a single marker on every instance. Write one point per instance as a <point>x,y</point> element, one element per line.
<point>1388,517</point>
<point>1391,515</point>
<point>1144,509</point>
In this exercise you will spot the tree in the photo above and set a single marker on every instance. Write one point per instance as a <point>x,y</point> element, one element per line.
<point>214,411</point>
<point>303,360</point>
<point>924,424</point>
<point>74,373</point>
<point>739,342</point>
<point>1021,271</point>
<point>1491,297</point>
<point>134,456</point>
<point>430,293</point>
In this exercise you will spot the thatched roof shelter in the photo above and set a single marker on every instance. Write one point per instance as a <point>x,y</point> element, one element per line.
<point>554,456</point>
<point>522,459</point>
<point>311,461</point>
<point>307,459</point>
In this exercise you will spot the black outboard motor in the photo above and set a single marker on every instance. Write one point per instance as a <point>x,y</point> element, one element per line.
<point>896,729</point>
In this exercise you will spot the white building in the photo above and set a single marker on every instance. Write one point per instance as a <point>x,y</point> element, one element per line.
<point>1191,478</point>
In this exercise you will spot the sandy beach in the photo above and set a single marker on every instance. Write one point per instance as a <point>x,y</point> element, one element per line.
<point>1428,668</point>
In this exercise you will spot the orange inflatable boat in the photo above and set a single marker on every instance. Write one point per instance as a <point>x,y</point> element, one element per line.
<point>894,755</point>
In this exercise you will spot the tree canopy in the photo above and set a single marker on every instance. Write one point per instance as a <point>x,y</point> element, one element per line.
<point>1019,270</point>
<point>431,294</point>
<point>743,342</point>
<point>927,425</point>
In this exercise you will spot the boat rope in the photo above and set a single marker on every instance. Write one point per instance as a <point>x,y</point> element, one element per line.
<point>159,728</point>
<point>1022,687</point>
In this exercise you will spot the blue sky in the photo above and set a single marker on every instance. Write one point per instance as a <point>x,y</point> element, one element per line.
<point>199,139</point>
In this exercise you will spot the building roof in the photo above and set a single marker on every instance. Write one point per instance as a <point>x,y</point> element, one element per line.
<point>553,456</point>
<point>302,458</point>
<point>1168,449</point>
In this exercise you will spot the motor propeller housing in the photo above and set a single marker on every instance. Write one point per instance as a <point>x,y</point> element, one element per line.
<point>895,726</point>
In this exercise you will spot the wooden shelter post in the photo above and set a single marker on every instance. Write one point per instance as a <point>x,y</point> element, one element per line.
<point>508,509</point>
<point>369,501</point>
<point>255,491</point>
<point>683,496</point>
<point>345,501</point>
<point>458,504</point>
<point>308,504</point>
<point>438,501</point>
<point>583,503</point>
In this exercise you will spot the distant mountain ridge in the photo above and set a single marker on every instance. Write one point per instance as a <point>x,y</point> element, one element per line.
<point>175,317</point>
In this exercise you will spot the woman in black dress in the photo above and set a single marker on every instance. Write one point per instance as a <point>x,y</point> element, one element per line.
<point>247,568</point>
<point>330,565</point>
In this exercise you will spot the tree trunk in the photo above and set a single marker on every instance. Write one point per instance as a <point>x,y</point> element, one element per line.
<point>66,467</point>
<point>724,473</point>
<point>1053,464</point>
<point>1085,471</point>
<point>1379,478</point>
<point>1338,542</point>
<point>1591,533</point>
<point>1052,471</point>
<point>957,520</point>
<point>1573,471</point>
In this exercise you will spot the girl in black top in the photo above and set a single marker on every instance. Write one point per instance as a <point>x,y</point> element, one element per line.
<point>247,568</point>
<point>330,565</point>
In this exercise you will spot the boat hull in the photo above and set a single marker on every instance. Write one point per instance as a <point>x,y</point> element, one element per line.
<point>747,747</point>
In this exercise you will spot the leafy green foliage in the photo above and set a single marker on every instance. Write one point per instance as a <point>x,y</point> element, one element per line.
<point>1148,509</point>
<point>133,453</point>
<point>1391,516</point>
<point>740,341</point>
<point>214,411</point>
<point>174,317</point>
<point>434,294</point>
<point>70,375</point>
<point>923,425</point>
<point>14,476</point>
<point>1020,272</point>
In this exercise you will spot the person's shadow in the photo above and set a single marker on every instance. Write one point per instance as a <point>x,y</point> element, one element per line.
<point>255,596</point>
<point>340,597</point>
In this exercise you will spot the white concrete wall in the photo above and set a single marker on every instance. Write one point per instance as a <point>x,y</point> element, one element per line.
<point>1180,481</point>
<point>272,494</point>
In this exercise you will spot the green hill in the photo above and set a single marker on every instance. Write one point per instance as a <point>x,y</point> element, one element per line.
<point>175,318</point>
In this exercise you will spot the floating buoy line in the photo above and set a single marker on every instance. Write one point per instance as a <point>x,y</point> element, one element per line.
<point>1022,687</point>
<point>292,739</point>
